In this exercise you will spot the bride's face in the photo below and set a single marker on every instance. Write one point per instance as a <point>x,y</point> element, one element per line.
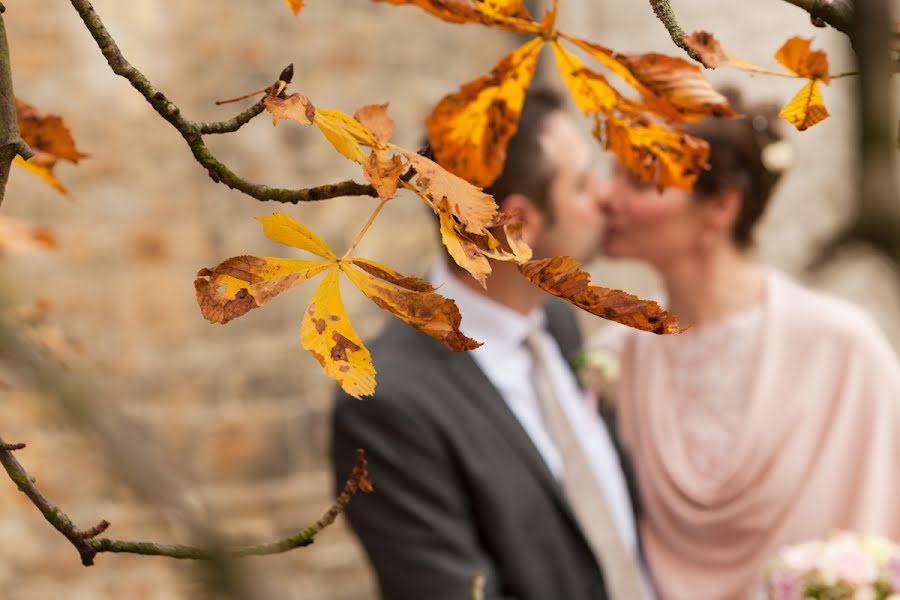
<point>646,224</point>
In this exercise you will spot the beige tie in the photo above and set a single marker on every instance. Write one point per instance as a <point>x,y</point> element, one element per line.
<point>620,572</point>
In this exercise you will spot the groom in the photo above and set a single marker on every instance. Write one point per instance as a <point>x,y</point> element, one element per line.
<point>491,462</point>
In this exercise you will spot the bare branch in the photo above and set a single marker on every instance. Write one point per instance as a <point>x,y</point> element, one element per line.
<point>234,124</point>
<point>664,13</point>
<point>12,447</point>
<point>88,546</point>
<point>11,142</point>
<point>192,132</point>
<point>837,13</point>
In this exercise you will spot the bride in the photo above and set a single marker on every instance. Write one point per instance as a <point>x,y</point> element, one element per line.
<point>776,417</point>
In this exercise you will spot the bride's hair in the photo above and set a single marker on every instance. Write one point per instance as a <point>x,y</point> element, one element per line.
<point>746,154</point>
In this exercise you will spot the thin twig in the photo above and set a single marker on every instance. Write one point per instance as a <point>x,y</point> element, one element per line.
<point>88,546</point>
<point>664,13</point>
<point>11,447</point>
<point>192,132</point>
<point>837,13</point>
<point>232,125</point>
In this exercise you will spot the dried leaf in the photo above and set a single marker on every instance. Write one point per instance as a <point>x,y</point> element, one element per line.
<point>41,165</point>
<point>327,333</point>
<point>295,5</point>
<point>506,13</point>
<point>806,108</point>
<point>591,90</point>
<point>412,300</point>
<point>712,55</point>
<point>797,55</point>
<point>345,133</point>
<point>46,133</point>
<point>285,230</point>
<point>383,171</point>
<point>562,276</point>
<point>469,129</point>
<point>464,251</point>
<point>243,283</point>
<point>18,236</point>
<point>656,153</point>
<point>374,117</point>
<point>295,107</point>
<point>472,207</point>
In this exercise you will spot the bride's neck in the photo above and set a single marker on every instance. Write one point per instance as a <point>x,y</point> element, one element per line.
<point>705,288</point>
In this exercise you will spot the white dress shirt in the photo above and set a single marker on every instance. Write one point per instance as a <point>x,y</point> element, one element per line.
<point>507,363</point>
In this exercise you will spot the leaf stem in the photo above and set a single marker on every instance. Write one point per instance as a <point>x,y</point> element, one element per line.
<point>365,229</point>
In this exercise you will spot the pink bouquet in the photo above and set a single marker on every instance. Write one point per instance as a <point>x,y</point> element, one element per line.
<point>844,567</point>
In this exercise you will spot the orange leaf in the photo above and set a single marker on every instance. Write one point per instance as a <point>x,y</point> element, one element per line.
<point>472,207</point>
<point>412,300</point>
<point>797,56</point>
<point>295,107</point>
<point>591,90</point>
<point>510,14</point>
<point>243,283</point>
<point>327,333</point>
<point>17,236</point>
<point>383,171</point>
<point>562,276</point>
<point>295,5</point>
<point>46,133</point>
<point>654,152</point>
<point>374,117</point>
<point>469,129</point>
<point>806,108</point>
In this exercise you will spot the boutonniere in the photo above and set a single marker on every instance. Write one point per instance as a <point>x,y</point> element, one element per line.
<point>598,372</point>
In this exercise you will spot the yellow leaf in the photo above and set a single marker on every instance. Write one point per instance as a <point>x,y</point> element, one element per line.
<point>285,230</point>
<point>383,171</point>
<point>807,107</point>
<point>295,5</point>
<point>412,300</point>
<point>655,152</point>
<point>472,207</point>
<point>295,107</point>
<point>345,133</point>
<point>374,117</point>
<point>37,167</point>
<point>562,276</point>
<point>463,250</point>
<point>243,283</point>
<point>797,55</point>
<point>591,90</point>
<point>327,333</point>
<point>469,129</point>
<point>509,14</point>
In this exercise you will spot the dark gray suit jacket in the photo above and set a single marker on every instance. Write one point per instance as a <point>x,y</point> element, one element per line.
<point>459,487</point>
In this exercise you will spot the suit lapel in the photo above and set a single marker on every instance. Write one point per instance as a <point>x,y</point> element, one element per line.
<point>487,399</point>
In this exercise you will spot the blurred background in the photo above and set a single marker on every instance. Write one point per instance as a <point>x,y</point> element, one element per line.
<point>242,408</point>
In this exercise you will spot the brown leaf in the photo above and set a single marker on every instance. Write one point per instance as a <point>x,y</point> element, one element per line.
<point>508,14</point>
<point>383,171</point>
<point>562,276</point>
<point>295,107</point>
<point>412,300</point>
<point>708,48</point>
<point>374,117</point>
<point>469,129</point>
<point>46,133</point>
<point>467,203</point>
<point>243,283</point>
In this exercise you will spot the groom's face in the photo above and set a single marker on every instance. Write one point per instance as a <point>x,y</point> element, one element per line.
<point>574,220</point>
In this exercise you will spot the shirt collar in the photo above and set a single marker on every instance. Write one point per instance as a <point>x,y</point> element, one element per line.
<point>483,319</point>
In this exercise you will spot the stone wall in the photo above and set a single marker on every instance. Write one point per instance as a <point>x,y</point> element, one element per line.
<point>242,408</point>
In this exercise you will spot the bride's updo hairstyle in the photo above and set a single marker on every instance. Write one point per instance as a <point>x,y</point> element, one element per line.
<point>746,154</point>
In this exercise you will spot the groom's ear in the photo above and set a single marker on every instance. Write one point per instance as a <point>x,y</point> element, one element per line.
<point>722,209</point>
<point>533,218</point>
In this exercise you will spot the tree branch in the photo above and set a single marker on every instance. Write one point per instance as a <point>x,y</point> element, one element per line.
<point>88,546</point>
<point>664,13</point>
<point>11,142</point>
<point>192,132</point>
<point>837,13</point>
